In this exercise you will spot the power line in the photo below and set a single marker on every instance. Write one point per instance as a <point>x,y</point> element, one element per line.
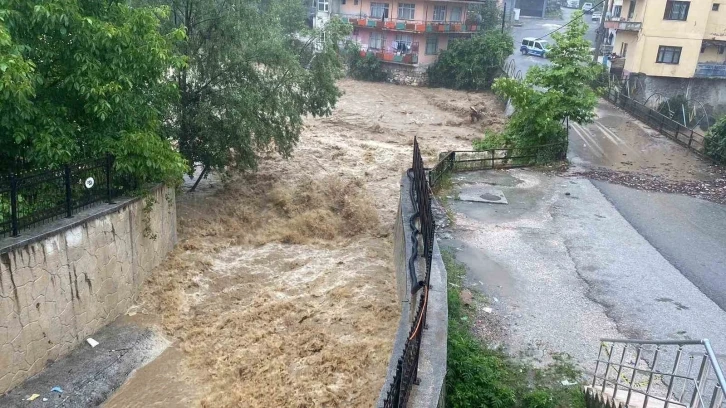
<point>568,23</point>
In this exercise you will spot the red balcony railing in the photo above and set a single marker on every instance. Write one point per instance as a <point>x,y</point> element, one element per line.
<point>386,54</point>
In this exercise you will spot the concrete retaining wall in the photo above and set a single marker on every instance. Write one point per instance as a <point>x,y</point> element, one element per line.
<point>61,284</point>
<point>406,75</point>
<point>429,393</point>
<point>710,92</point>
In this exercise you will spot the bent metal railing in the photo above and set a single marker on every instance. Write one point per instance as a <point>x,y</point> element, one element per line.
<point>422,224</point>
<point>663,373</point>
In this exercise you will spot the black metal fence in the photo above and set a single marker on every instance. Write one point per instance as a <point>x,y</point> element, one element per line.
<point>34,197</point>
<point>663,124</point>
<point>504,158</point>
<point>422,223</point>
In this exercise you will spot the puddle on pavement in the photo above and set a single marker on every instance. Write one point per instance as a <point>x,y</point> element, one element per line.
<point>485,274</point>
<point>161,383</point>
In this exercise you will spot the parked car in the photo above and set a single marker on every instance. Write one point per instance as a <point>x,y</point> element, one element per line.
<point>573,4</point>
<point>587,8</point>
<point>533,46</point>
<point>596,16</point>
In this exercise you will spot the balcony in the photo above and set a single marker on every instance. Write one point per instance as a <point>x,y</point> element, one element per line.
<point>618,23</point>
<point>705,70</point>
<point>410,58</point>
<point>411,26</point>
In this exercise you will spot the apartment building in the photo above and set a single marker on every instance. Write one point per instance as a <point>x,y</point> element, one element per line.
<point>667,38</point>
<point>409,33</point>
<point>673,47</point>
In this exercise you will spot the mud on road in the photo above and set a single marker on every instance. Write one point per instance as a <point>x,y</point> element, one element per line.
<point>281,291</point>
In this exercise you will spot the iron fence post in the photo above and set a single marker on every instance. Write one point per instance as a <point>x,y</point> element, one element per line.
<point>690,139</point>
<point>109,164</point>
<point>14,204</point>
<point>67,179</point>
<point>678,128</point>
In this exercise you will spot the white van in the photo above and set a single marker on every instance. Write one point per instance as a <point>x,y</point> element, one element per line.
<point>587,8</point>
<point>573,3</point>
<point>533,46</point>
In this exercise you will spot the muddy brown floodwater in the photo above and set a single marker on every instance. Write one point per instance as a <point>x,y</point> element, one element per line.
<point>281,291</point>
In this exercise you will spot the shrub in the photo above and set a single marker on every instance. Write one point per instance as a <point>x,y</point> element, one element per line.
<point>366,68</point>
<point>472,63</point>
<point>715,142</point>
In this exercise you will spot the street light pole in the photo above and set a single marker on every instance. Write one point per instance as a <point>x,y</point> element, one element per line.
<point>600,31</point>
<point>504,14</point>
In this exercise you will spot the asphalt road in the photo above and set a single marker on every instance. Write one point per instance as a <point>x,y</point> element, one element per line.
<point>539,27</point>
<point>688,232</point>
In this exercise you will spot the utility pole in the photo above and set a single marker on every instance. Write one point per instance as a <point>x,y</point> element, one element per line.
<point>600,31</point>
<point>504,14</point>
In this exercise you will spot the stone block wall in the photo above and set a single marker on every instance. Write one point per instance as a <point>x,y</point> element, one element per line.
<point>406,75</point>
<point>57,290</point>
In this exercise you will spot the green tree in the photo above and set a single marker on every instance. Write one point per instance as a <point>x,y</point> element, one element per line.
<point>550,94</point>
<point>486,14</point>
<point>254,71</point>
<point>472,63</point>
<point>85,78</point>
<point>366,68</point>
<point>715,142</point>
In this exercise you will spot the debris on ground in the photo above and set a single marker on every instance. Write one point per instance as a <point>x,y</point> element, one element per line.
<point>93,343</point>
<point>466,297</point>
<point>33,397</point>
<point>57,389</point>
<point>711,190</point>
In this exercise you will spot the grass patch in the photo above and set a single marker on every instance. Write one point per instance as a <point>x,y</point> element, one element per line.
<point>479,376</point>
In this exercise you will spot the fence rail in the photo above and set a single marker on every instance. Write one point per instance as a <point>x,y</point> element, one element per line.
<point>504,158</point>
<point>34,197</point>
<point>666,126</point>
<point>677,373</point>
<point>422,224</point>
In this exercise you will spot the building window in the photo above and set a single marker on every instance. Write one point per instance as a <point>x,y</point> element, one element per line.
<point>322,5</point>
<point>379,10</point>
<point>439,13</point>
<point>676,10</point>
<point>721,49</point>
<point>378,41</point>
<point>714,6</point>
<point>355,2</point>
<point>406,11</point>
<point>432,45</point>
<point>669,55</point>
<point>403,43</point>
<point>455,14</point>
<point>624,50</point>
<point>631,10</point>
<point>617,10</point>
<point>703,49</point>
<point>342,1</point>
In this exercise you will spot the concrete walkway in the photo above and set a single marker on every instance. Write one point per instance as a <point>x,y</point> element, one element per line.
<point>562,268</point>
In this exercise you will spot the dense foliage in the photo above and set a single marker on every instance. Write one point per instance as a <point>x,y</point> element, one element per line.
<point>715,143</point>
<point>550,94</point>
<point>471,63</point>
<point>486,14</point>
<point>84,78</point>
<point>479,376</point>
<point>364,67</point>
<point>250,78</point>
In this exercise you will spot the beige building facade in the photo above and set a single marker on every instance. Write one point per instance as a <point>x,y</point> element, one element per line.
<point>666,38</point>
